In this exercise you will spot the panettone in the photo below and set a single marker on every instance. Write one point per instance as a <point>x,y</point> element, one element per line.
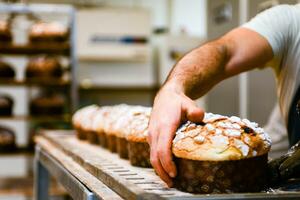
<point>46,105</point>
<point>99,123</point>
<point>222,155</point>
<point>7,140</point>
<point>6,105</point>
<point>110,125</point>
<point>43,68</point>
<point>5,32</point>
<point>48,32</point>
<point>82,122</point>
<point>138,148</point>
<point>122,128</point>
<point>6,71</point>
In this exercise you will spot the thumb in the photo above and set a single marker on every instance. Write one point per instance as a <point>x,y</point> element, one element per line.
<point>193,112</point>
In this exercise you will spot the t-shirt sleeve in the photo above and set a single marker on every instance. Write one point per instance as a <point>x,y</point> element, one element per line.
<point>274,25</point>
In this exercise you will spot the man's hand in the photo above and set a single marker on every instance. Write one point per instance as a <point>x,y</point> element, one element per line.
<point>169,110</point>
<point>285,167</point>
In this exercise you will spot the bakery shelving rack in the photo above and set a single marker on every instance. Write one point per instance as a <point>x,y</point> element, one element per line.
<point>65,49</point>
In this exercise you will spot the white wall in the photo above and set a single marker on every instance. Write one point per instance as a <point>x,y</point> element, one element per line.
<point>188,16</point>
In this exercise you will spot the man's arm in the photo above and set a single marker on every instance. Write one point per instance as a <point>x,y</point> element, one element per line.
<point>194,75</point>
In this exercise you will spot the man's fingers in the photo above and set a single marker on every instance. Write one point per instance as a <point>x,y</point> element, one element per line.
<point>193,113</point>
<point>164,150</point>
<point>154,159</point>
<point>159,169</point>
<point>149,137</point>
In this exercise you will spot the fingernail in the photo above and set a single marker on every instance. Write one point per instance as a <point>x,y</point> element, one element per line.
<point>171,174</point>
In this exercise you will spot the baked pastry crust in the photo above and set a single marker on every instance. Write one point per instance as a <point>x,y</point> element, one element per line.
<point>7,139</point>
<point>138,126</point>
<point>83,118</point>
<point>47,31</point>
<point>6,70</point>
<point>114,121</point>
<point>5,32</point>
<point>6,105</point>
<point>47,105</point>
<point>44,67</point>
<point>220,138</point>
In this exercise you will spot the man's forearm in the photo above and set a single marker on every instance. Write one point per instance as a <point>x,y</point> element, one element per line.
<point>199,70</point>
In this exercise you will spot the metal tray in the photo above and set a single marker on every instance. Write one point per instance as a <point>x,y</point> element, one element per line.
<point>133,182</point>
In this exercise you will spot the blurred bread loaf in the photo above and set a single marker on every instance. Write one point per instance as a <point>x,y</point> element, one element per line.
<point>48,32</point>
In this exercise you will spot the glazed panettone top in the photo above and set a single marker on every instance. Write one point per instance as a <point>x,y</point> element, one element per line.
<point>220,138</point>
<point>122,125</point>
<point>48,29</point>
<point>138,126</point>
<point>99,119</point>
<point>83,118</point>
<point>116,112</point>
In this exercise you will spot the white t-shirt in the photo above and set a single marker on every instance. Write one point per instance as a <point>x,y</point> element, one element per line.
<point>280,25</point>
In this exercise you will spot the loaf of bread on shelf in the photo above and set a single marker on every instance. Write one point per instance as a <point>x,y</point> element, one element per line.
<point>43,68</point>
<point>47,105</point>
<point>6,105</point>
<point>138,147</point>
<point>122,128</point>
<point>99,124</point>
<point>48,32</point>
<point>111,120</point>
<point>7,140</point>
<point>5,32</point>
<point>6,71</point>
<point>82,120</point>
<point>221,155</point>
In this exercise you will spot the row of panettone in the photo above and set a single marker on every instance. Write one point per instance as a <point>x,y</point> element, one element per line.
<point>38,68</point>
<point>38,32</point>
<point>221,155</point>
<point>116,128</point>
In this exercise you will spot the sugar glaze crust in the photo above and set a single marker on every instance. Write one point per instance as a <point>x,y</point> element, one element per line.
<point>220,138</point>
<point>83,118</point>
<point>138,126</point>
<point>47,29</point>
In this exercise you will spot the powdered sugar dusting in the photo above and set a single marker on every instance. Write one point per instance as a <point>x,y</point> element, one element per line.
<point>221,132</point>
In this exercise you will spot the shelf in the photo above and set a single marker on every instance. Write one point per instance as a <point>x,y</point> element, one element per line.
<point>24,186</point>
<point>32,49</point>
<point>120,88</point>
<point>19,151</point>
<point>113,59</point>
<point>37,82</point>
<point>65,118</point>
